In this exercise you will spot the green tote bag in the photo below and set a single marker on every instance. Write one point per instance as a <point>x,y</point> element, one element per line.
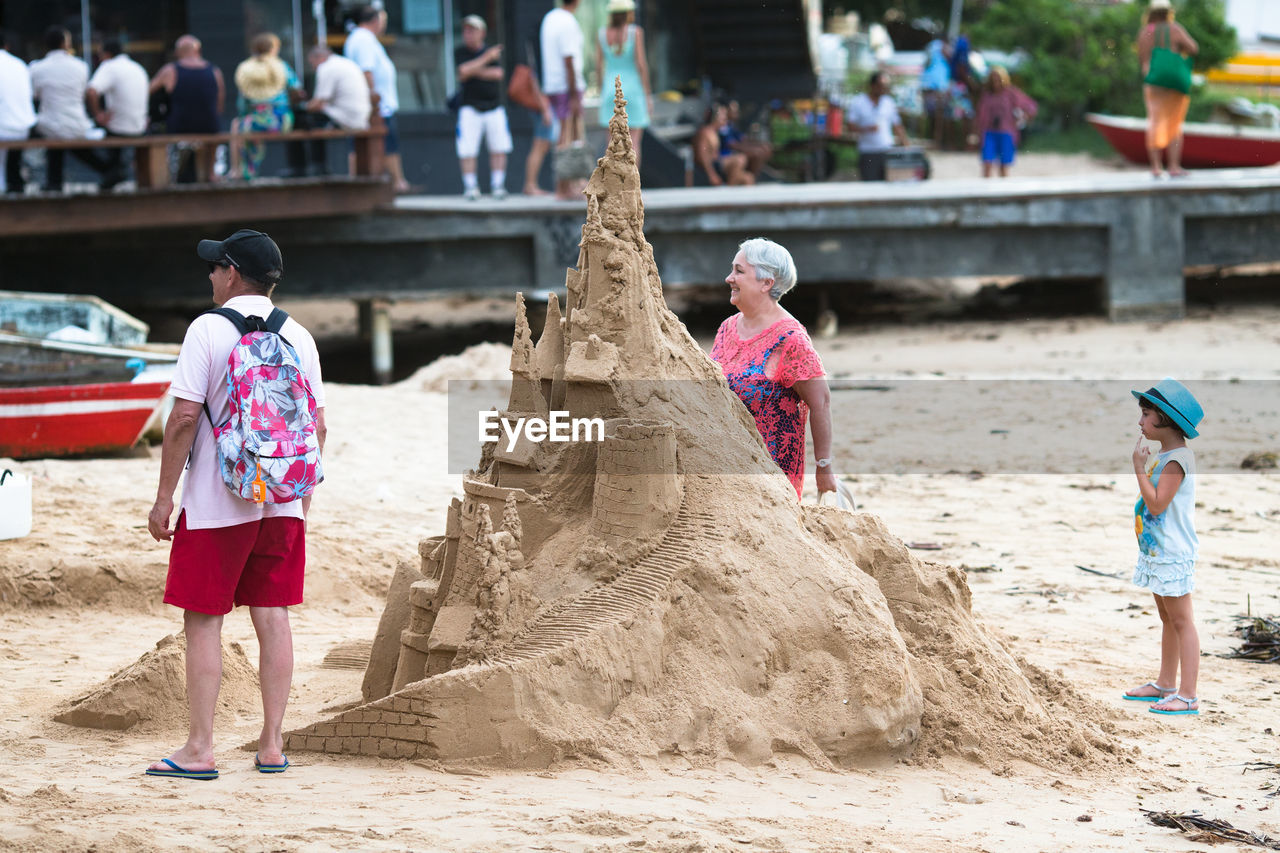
<point>1168,69</point>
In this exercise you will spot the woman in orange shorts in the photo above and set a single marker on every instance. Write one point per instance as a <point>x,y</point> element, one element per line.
<point>1166,104</point>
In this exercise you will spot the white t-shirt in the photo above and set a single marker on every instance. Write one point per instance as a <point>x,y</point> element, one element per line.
<point>201,376</point>
<point>16,113</point>
<point>341,85</point>
<point>364,49</point>
<point>58,82</point>
<point>123,84</point>
<point>884,115</point>
<point>560,36</point>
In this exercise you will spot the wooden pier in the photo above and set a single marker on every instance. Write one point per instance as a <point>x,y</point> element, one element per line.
<point>1134,236</point>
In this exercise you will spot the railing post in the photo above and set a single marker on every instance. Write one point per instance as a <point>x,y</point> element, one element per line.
<point>151,164</point>
<point>233,153</point>
<point>370,148</point>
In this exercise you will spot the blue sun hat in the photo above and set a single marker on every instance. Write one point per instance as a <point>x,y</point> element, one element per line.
<point>1172,397</point>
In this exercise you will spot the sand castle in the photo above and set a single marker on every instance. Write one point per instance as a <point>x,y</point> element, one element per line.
<point>661,591</point>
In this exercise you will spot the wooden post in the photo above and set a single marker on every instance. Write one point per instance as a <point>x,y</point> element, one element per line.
<point>375,325</point>
<point>151,164</point>
<point>370,148</point>
<point>233,151</point>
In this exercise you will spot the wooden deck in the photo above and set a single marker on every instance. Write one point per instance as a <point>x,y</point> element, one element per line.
<point>261,200</point>
<point>159,203</point>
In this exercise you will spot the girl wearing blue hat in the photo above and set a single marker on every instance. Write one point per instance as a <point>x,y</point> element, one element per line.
<point>1164,520</point>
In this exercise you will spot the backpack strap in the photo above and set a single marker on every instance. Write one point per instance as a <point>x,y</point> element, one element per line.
<point>275,320</point>
<point>244,325</point>
<point>237,319</point>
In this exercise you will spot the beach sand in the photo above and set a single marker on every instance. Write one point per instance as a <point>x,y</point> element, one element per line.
<point>80,600</point>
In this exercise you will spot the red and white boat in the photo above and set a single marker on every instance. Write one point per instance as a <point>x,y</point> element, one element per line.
<point>1205,146</point>
<point>77,378</point>
<point>67,420</point>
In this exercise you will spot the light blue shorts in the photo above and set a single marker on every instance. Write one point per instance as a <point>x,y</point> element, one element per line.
<point>1167,578</point>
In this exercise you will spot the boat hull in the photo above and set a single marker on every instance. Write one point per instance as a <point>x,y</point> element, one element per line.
<point>70,420</point>
<point>1205,146</point>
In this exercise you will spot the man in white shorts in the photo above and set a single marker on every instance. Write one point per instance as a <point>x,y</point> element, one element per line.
<point>481,114</point>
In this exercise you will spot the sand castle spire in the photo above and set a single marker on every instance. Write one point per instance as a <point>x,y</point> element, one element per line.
<point>593,230</point>
<point>549,352</point>
<point>522,342</point>
<point>526,386</point>
<point>619,129</point>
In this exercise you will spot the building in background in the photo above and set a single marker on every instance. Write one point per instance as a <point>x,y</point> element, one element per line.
<point>1256,21</point>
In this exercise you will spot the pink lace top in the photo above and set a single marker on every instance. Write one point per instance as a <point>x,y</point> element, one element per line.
<point>762,370</point>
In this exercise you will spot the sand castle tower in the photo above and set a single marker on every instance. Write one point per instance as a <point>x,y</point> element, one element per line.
<point>661,590</point>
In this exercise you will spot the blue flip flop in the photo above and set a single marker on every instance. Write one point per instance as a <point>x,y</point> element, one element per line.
<point>176,772</point>
<point>1194,700</point>
<point>270,768</point>
<point>1164,692</point>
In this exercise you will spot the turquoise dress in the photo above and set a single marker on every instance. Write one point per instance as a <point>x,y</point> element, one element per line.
<point>1167,543</point>
<point>622,65</point>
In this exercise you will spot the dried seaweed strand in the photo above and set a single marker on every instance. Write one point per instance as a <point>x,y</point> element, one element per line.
<point>1195,824</point>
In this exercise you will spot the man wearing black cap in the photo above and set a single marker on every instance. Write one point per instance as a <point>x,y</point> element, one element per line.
<point>227,551</point>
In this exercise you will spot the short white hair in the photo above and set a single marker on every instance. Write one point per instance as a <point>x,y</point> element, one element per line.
<point>771,261</point>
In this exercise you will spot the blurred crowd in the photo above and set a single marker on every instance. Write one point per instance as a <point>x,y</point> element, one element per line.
<point>55,98</point>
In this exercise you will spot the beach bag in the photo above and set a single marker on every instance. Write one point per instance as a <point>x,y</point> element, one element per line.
<point>1168,69</point>
<point>575,162</point>
<point>842,498</point>
<point>268,450</point>
<point>522,90</point>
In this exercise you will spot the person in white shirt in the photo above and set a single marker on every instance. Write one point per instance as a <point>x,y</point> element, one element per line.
<point>562,78</point>
<point>58,84</point>
<point>117,97</point>
<point>341,99</point>
<point>226,551</point>
<point>363,48</point>
<point>341,92</point>
<point>874,116</point>
<point>17,116</point>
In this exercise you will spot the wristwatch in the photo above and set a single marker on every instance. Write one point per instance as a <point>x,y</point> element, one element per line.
<point>825,462</point>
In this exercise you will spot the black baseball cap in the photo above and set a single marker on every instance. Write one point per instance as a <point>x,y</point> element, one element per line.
<point>253,253</point>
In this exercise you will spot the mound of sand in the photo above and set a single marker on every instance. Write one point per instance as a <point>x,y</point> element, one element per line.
<point>661,591</point>
<point>480,362</point>
<point>152,690</point>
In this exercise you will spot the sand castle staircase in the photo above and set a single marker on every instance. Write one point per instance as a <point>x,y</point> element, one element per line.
<point>615,601</point>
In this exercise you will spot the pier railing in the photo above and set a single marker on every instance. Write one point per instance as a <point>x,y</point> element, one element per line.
<point>151,152</point>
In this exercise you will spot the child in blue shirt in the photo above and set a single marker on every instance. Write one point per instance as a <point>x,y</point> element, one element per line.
<point>1164,521</point>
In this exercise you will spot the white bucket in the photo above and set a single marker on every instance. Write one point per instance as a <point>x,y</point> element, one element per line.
<point>15,505</point>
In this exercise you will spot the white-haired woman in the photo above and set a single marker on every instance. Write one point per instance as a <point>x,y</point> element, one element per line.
<point>770,363</point>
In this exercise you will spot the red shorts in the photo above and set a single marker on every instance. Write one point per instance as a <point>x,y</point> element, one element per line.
<point>257,564</point>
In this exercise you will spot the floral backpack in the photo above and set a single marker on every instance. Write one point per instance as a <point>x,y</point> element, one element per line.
<point>268,450</point>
